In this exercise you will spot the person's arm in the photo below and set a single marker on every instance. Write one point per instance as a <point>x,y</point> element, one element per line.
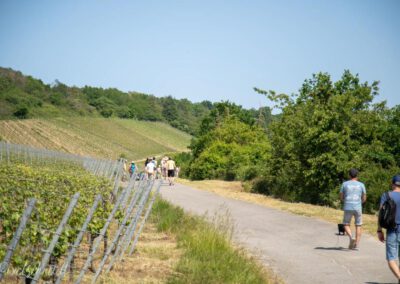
<point>381,234</point>
<point>341,195</point>
<point>364,195</point>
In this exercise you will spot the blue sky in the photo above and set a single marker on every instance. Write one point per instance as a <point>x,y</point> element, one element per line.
<point>203,50</point>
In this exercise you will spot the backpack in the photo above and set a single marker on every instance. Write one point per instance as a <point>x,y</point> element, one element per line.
<point>387,213</point>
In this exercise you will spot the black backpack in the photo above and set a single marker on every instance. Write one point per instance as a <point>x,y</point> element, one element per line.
<point>387,213</point>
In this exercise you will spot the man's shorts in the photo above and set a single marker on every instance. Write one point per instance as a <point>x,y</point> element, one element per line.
<point>171,173</point>
<point>348,214</point>
<point>392,245</point>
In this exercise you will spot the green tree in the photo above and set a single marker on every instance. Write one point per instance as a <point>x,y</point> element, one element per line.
<point>170,111</point>
<point>233,150</point>
<point>323,131</point>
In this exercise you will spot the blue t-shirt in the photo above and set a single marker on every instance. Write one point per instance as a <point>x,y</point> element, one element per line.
<point>352,192</point>
<point>396,198</point>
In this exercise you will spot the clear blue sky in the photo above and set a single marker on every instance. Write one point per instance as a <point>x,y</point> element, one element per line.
<point>202,50</point>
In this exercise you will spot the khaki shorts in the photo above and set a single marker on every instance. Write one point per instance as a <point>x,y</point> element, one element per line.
<point>348,214</point>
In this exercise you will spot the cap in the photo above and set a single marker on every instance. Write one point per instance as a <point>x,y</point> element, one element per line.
<point>396,180</point>
<point>132,162</point>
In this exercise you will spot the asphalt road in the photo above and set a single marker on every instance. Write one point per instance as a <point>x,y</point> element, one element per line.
<point>299,249</point>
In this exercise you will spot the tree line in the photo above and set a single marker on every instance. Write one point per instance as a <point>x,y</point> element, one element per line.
<point>305,152</point>
<point>24,97</point>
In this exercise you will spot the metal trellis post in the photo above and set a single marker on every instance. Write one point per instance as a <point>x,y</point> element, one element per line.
<point>102,233</point>
<point>57,234</point>
<point>78,239</point>
<point>17,235</point>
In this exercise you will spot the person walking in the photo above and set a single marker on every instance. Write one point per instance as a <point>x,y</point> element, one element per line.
<point>353,194</point>
<point>150,170</point>
<point>164,167</point>
<point>171,170</point>
<point>132,168</point>
<point>392,235</point>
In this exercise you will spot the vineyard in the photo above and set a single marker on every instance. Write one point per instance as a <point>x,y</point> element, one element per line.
<point>57,209</point>
<point>96,137</point>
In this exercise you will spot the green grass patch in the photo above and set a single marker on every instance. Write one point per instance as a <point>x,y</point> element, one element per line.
<point>209,256</point>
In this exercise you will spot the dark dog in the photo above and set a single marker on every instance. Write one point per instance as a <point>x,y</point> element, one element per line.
<point>341,229</point>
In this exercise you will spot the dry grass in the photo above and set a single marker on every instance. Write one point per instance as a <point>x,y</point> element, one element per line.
<point>235,190</point>
<point>152,262</point>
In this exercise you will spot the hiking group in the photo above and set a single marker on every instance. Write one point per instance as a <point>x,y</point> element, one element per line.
<point>166,169</point>
<point>353,194</point>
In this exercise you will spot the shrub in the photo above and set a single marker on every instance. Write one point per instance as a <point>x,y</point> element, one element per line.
<point>22,112</point>
<point>261,185</point>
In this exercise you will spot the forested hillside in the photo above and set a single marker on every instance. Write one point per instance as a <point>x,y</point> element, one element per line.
<point>26,97</point>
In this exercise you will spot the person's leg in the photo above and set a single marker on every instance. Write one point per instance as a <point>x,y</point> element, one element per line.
<point>169,176</point>
<point>358,221</point>
<point>347,216</point>
<point>358,234</point>
<point>348,230</point>
<point>392,252</point>
<point>394,268</point>
<point>172,177</point>
<point>346,223</point>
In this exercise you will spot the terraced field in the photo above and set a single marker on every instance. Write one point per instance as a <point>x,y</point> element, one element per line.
<point>97,137</point>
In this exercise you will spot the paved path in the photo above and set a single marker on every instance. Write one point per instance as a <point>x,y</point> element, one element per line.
<point>299,249</point>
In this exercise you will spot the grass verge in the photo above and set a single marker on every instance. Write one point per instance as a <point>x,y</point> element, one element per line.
<point>208,255</point>
<point>155,257</point>
<point>235,190</point>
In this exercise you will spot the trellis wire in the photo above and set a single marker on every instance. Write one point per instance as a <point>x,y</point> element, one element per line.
<point>128,236</point>
<point>46,256</point>
<point>132,227</point>
<point>14,152</point>
<point>146,216</point>
<point>78,239</point>
<point>135,194</point>
<point>101,235</point>
<point>116,238</point>
<point>139,192</point>
<point>14,242</point>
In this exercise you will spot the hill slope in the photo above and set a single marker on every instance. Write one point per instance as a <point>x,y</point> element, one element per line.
<point>23,96</point>
<point>98,137</point>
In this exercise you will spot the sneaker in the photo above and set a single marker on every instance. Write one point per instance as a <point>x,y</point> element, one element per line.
<point>352,243</point>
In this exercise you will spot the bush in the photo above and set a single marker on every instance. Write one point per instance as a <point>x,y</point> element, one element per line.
<point>183,160</point>
<point>22,112</point>
<point>377,180</point>
<point>261,185</point>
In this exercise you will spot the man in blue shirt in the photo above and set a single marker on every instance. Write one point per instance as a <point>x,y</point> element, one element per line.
<point>392,235</point>
<point>353,194</point>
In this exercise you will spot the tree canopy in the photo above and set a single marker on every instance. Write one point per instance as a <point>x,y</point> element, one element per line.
<point>324,131</point>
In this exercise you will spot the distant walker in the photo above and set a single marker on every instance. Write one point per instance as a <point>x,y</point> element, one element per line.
<point>353,194</point>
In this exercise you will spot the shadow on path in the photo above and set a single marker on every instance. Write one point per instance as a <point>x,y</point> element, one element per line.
<point>332,248</point>
<point>380,283</point>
